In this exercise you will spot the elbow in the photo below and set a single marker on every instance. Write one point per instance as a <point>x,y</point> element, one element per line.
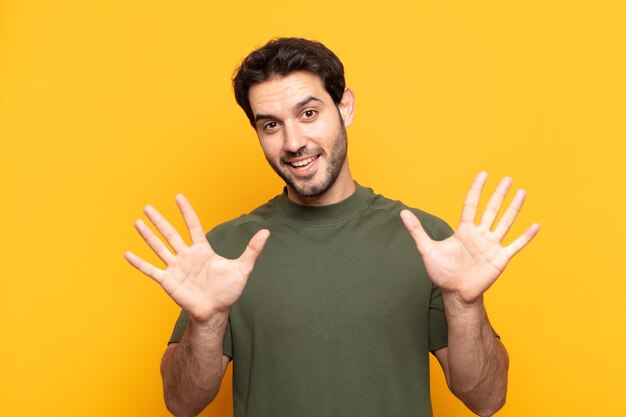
<point>481,400</point>
<point>485,405</point>
<point>177,409</point>
<point>485,395</point>
<point>488,410</point>
<point>180,406</point>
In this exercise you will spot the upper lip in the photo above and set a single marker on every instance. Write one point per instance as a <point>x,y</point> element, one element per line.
<point>302,158</point>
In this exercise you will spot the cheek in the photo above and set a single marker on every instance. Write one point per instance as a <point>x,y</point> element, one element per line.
<point>316,132</point>
<point>323,131</point>
<point>271,148</point>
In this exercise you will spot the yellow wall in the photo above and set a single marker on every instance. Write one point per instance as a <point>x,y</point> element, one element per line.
<point>106,106</point>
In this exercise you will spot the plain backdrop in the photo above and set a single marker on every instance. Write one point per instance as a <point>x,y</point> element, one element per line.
<point>106,106</point>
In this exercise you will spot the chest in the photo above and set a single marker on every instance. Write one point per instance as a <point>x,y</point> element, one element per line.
<point>335,281</point>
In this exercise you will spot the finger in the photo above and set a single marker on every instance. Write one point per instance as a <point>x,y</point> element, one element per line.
<point>254,249</point>
<point>495,202</point>
<point>422,240</point>
<point>473,198</point>
<point>191,220</point>
<point>145,267</point>
<point>154,242</point>
<point>519,243</point>
<point>505,223</point>
<point>166,229</point>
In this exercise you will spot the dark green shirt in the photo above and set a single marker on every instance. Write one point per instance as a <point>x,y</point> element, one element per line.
<point>338,315</point>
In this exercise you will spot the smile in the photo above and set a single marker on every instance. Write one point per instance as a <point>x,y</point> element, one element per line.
<point>304,163</point>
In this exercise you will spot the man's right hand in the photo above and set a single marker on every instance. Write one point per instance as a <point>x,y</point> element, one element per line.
<point>200,281</point>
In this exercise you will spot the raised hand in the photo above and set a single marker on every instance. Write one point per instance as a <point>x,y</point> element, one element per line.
<point>469,262</point>
<point>196,278</point>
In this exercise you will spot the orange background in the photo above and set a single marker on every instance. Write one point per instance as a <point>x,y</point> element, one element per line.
<point>106,106</point>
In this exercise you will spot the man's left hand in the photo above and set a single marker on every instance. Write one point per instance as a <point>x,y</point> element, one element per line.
<point>469,262</point>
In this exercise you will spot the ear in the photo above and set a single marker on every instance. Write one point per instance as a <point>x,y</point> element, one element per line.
<point>346,107</point>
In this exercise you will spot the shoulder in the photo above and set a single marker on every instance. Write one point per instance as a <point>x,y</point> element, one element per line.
<point>232,236</point>
<point>436,227</point>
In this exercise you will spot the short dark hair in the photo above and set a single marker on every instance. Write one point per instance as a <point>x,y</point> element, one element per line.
<point>282,56</point>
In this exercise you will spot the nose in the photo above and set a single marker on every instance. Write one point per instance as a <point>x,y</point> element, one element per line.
<point>294,138</point>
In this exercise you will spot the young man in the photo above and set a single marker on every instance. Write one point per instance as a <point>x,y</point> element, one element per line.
<point>334,314</point>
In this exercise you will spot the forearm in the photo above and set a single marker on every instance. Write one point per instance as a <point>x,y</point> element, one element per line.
<point>477,361</point>
<point>192,372</point>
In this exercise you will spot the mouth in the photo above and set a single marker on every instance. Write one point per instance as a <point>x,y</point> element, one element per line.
<point>303,163</point>
<point>303,167</point>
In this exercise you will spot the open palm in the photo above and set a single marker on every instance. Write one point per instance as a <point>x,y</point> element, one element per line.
<point>470,261</point>
<point>196,278</point>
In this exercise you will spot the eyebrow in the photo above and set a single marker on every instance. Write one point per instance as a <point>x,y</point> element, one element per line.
<point>305,102</point>
<point>297,107</point>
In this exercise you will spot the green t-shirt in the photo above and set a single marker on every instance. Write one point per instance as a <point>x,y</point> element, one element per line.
<point>338,315</point>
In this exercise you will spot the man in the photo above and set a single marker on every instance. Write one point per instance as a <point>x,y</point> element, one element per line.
<point>335,313</point>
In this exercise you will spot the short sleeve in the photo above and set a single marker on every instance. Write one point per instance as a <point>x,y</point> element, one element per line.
<point>179,328</point>
<point>228,341</point>
<point>437,324</point>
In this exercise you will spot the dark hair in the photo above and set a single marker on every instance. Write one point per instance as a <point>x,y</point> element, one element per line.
<point>282,56</point>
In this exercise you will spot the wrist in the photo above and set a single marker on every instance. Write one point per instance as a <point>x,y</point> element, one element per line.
<point>467,318</point>
<point>205,311</point>
<point>455,305</point>
<point>209,322</point>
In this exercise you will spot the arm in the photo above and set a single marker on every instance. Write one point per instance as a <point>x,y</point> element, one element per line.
<point>464,266</point>
<point>475,362</point>
<point>193,369</point>
<point>206,286</point>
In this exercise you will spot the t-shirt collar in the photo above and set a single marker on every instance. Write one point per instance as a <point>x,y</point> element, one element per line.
<point>335,213</point>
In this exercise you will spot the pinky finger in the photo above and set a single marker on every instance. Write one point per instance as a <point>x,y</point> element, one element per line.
<point>519,243</point>
<point>145,267</point>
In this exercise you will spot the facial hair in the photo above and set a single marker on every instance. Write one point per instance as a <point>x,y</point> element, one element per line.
<point>304,186</point>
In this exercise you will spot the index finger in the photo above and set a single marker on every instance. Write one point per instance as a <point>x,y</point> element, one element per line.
<point>191,219</point>
<point>473,197</point>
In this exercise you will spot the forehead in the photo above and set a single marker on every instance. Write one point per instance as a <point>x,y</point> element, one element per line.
<point>282,93</point>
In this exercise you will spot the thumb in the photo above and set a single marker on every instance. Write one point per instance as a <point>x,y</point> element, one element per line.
<point>417,232</point>
<point>254,249</point>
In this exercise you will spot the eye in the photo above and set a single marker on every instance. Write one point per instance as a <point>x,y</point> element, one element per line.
<point>309,114</point>
<point>269,126</point>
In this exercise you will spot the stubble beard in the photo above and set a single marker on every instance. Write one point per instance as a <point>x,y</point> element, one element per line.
<point>304,186</point>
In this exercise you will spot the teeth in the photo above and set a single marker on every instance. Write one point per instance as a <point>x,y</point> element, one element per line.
<point>303,162</point>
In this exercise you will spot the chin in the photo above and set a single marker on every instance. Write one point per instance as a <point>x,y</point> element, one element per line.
<point>312,189</point>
